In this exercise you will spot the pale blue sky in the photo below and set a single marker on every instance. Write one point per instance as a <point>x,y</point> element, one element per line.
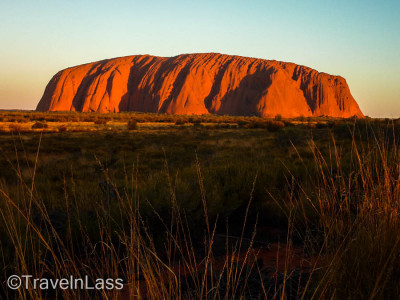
<point>359,40</point>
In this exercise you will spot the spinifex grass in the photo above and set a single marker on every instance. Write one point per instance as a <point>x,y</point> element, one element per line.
<point>359,220</point>
<point>352,220</point>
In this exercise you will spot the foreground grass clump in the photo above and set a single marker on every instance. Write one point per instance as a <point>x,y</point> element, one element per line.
<point>181,213</point>
<point>183,266</point>
<point>359,220</point>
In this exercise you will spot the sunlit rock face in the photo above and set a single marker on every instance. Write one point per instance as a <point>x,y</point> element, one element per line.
<point>199,84</point>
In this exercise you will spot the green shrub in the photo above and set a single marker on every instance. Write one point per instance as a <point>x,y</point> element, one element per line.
<point>198,126</point>
<point>100,122</point>
<point>132,124</point>
<point>242,123</point>
<point>14,127</point>
<point>275,125</point>
<point>62,128</point>
<point>322,125</point>
<point>180,122</point>
<point>39,125</point>
<point>197,122</point>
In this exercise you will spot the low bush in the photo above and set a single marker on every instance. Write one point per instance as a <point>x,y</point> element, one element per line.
<point>180,122</point>
<point>271,125</point>
<point>311,125</point>
<point>132,124</point>
<point>322,125</point>
<point>14,127</point>
<point>275,125</point>
<point>223,126</point>
<point>39,125</point>
<point>62,128</point>
<point>100,122</point>
<point>242,123</point>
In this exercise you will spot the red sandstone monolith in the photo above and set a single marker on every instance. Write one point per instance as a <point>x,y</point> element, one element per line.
<point>199,84</point>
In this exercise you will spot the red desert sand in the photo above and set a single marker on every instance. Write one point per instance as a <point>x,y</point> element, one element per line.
<point>199,84</point>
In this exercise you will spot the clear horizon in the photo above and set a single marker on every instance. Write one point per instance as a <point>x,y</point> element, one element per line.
<point>358,40</point>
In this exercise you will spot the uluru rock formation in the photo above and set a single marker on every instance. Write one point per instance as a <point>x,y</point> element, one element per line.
<point>199,84</point>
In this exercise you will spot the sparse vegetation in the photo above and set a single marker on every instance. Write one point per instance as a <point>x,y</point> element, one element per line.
<point>39,125</point>
<point>100,122</point>
<point>180,122</point>
<point>132,124</point>
<point>14,127</point>
<point>188,211</point>
<point>62,128</point>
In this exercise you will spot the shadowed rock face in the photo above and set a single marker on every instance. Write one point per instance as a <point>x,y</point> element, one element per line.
<point>199,84</point>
